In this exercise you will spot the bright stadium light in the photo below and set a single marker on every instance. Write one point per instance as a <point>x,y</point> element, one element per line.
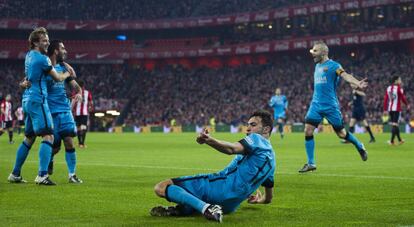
<point>99,114</point>
<point>113,112</point>
<point>270,26</point>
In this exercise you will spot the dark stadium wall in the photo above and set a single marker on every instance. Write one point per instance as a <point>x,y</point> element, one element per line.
<point>412,46</point>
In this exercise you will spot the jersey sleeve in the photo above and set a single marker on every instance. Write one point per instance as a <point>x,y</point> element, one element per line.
<point>403,98</point>
<point>338,69</point>
<point>269,182</point>
<point>250,143</point>
<point>46,64</point>
<point>385,104</point>
<point>90,100</point>
<point>286,102</point>
<point>272,102</point>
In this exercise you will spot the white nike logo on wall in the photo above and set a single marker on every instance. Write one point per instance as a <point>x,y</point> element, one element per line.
<point>101,26</point>
<point>77,56</point>
<point>79,26</point>
<point>100,56</point>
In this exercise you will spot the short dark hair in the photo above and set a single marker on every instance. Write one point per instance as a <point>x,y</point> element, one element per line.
<point>35,35</point>
<point>267,119</point>
<point>394,78</point>
<point>81,83</point>
<point>54,45</point>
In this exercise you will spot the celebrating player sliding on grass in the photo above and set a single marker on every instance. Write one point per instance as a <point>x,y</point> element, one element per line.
<point>222,192</point>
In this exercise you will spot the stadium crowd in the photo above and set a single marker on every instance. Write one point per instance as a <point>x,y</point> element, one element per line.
<point>105,81</point>
<point>193,96</point>
<point>327,24</point>
<point>134,9</point>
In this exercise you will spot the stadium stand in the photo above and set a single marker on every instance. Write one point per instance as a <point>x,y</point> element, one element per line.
<point>192,96</point>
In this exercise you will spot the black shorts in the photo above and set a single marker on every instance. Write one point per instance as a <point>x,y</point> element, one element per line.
<point>359,115</point>
<point>81,120</point>
<point>7,124</point>
<point>394,116</point>
<point>21,122</point>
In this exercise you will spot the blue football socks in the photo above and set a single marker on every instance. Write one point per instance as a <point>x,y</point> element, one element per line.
<point>70,157</point>
<point>21,156</point>
<point>178,195</point>
<point>45,153</point>
<point>310,149</point>
<point>351,138</point>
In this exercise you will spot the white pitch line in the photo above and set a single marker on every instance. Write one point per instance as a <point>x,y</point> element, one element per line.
<point>214,170</point>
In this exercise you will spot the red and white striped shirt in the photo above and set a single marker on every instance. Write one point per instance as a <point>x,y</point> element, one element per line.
<point>393,97</point>
<point>6,111</point>
<point>19,114</point>
<point>82,108</point>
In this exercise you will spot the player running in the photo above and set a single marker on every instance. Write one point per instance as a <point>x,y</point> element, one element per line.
<point>222,192</point>
<point>393,97</point>
<point>279,104</point>
<point>325,103</point>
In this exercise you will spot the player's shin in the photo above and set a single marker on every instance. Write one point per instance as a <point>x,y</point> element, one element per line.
<point>45,153</point>
<point>351,138</point>
<point>70,157</point>
<point>310,149</point>
<point>21,156</point>
<point>178,195</point>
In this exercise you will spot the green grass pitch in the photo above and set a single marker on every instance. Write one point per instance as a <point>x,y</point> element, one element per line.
<point>120,171</point>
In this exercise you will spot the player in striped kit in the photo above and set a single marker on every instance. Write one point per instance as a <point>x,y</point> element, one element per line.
<point>393,97</point>
<point>20,118</point>
<point>6,116</point>
<point>81,112</point>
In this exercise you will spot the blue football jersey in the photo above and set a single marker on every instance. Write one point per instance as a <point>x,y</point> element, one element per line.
<point>57,97</point>
<point>326,80</point>
<point>37,68</point>
<point>279,103</point>
<point>257,166</point>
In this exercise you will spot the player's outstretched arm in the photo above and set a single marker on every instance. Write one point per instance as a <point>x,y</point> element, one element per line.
<point>259,198</point>
<point>360,84</point>
<point>59,76</point>
<point>222,146</point>
<point>75,87</point>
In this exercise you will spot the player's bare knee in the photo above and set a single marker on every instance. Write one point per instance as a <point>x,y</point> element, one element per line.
<point>341,133</point>
<point>160,188</point>
<point>309,131</point>
<point>68,142</point>
<point>48,138</point>
<point>29,140</point>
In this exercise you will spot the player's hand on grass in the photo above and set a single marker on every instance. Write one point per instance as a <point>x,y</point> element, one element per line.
<point>256,199</point>
<point>203,136</point>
